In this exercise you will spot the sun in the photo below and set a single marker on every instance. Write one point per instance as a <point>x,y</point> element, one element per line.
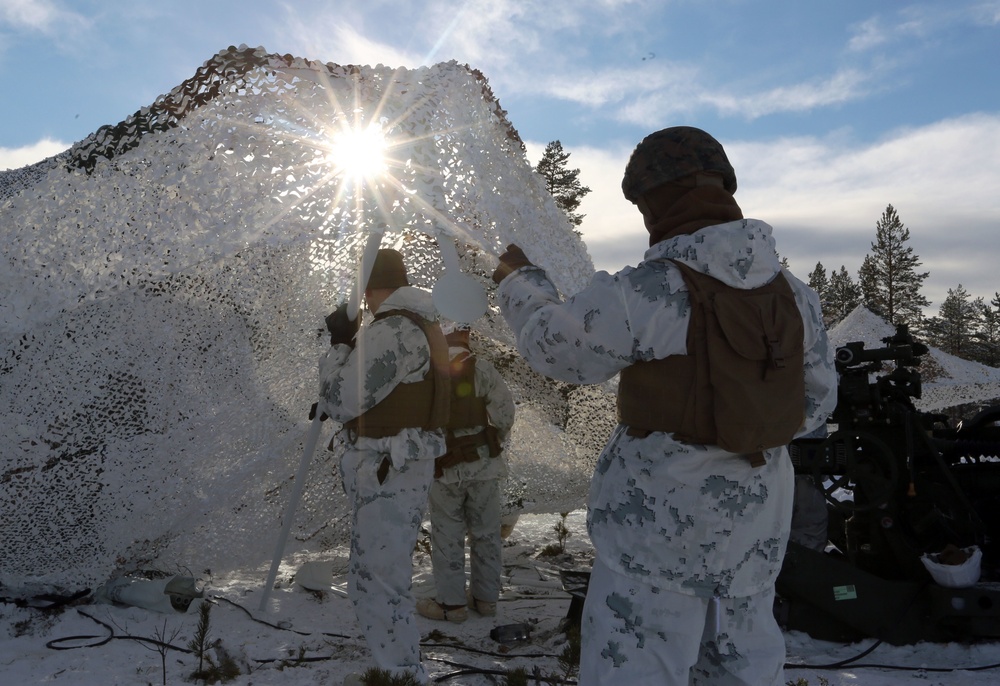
<point>358,154</point>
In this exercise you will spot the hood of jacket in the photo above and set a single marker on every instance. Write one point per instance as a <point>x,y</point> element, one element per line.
<point>740,253</point>
<point>410,298</point>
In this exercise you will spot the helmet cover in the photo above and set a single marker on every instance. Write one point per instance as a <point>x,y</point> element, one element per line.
<point>671,154</point>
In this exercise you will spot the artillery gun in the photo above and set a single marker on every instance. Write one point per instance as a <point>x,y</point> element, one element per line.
<point>896,484</point>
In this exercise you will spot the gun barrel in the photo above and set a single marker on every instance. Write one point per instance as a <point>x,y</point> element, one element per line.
<point>851,354</point>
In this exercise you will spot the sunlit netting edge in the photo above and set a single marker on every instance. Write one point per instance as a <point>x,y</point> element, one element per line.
<point>228,69</point>
<point>161,316</point>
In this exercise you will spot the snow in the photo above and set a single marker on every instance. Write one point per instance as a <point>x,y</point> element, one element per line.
<point>308,637</point>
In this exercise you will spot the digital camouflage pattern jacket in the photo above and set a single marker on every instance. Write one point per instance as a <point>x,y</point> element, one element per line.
<point>388,352</point>
<point>688,518</point>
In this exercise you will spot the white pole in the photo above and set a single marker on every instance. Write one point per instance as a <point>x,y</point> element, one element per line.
<point>449,255</point>
<point>312,438</point>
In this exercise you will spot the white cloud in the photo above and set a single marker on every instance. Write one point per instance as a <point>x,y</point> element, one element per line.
<point>987,13</point>
<point>523,46</point>
<point>339,36</point>
<point>357,48</point>
<point>946,169</point>
<point>876,33</point>
<point>664,83</point>
<point>867,35</point>
<point>493,35</point>
<point>483,33</point>
<point>644,94</point>
<point>824,196</point>
<point>33,14</point>
<point>535,47</point>
<point>844,86</point>
<point>921,21</point>
<point>44,16</point>
<point>683,95</point>
<point>15,158</point>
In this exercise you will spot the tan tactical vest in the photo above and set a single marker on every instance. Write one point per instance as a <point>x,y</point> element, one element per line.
<point>742,384</point>
<point>423,404</point>
<point>468,411</point>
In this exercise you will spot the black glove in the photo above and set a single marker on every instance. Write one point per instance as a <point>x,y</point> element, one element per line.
<point>312,413</point>
<point>342,329</point>
<point>513,259</point>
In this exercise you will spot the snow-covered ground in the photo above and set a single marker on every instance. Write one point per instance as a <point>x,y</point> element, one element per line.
<point>308,637</point>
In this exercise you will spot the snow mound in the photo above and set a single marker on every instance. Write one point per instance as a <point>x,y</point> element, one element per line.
<point>861,325</point>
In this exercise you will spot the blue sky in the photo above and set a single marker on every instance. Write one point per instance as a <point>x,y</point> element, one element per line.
<point>829,110</point>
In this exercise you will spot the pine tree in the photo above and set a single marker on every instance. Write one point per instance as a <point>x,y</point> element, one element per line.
<point>842,296</point>
<point>890,283</point>
<point>987,348</point>
<point>818,281</point>
<point>958,322</point>
<point>562,182</point>
<point>868,285</point>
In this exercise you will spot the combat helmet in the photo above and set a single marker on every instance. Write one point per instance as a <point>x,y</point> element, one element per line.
<point>388,270</point>
<point>671,154</point>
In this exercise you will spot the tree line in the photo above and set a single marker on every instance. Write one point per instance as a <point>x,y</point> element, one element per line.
<point>888,281</point>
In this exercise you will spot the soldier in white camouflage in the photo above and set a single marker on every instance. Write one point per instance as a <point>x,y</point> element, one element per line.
<point>388,383</point>
<point>465,496</point>
<point>689,536</point>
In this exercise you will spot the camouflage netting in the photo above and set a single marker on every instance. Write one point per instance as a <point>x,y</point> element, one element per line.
<point>162,293</point>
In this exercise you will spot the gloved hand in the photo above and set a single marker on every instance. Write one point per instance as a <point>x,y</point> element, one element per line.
<point>340,326</point>
<point>312,413</point>
<point>513,259</point>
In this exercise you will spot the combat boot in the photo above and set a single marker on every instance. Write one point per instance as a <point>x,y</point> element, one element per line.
<point>431,609</point>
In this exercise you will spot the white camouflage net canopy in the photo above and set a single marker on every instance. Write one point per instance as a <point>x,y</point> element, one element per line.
<point>163,287</point>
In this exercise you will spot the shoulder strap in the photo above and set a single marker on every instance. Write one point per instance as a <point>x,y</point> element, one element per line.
<point>741,384</point>
<point>426,403</point>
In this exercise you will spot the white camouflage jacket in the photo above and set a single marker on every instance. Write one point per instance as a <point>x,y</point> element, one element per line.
<point>388,352</point>
<point>688,518</point>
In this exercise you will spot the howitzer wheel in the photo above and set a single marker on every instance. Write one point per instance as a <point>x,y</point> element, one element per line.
<point>860,462</point>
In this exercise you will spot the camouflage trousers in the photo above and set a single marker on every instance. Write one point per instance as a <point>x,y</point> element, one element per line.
<point>634,633</point>
<point>385,523</point>
<point>471,507</point>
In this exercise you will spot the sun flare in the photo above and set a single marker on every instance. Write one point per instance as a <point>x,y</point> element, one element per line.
<point>359,154</point>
